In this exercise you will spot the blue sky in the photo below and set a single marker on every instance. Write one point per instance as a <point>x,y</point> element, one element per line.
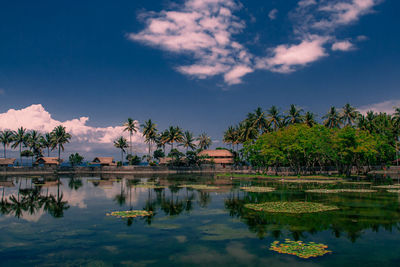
<point>109,60</point>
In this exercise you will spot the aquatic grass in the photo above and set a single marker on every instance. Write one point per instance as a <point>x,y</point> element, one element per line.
<point>130,213</point>
<point>393,186</point>
<point>310,181</point>
<point>394,191</point>
<point>257,189</point>
<point>200,187</point>
<point>149,186</point>
<point>300,249</point>
<point>290,207</point>
<point>335,191</point>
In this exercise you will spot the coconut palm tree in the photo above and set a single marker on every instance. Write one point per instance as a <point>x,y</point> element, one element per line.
<point>229,136</point>
<point>247,131</point>
<point>204,141</point>
<point>259,121</point>
<point>294,115</point>
<point>188,141</point>
<point>59,138</point>
<point>131,127</point>
<point>396,117</point>
<point>34,143</point>
<point>332,119</point>
<point>274,117</point>
<point>6,138</point>
<point>150,133</point>
<point>47,142</point>
<point>348,115</point>
<point>20,139</point>
<point>175,135</point>
<point>309,119</point>
<point>122,144</point>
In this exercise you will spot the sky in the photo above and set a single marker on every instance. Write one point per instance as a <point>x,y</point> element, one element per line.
<point>199,64</point>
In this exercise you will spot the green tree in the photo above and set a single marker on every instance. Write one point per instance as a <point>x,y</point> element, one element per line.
<point>204,141</point>
<point>121,143</point>
<point>294,115</point>
<point>6,138</point>
<point>131,127</point>
<point>60,137</point>
<point>150,134</point>
<point>75,159</point>
<point>175,135</point>
<point>309,119</point>
<point>348,115</point>
<point>47,142</point>
<point>20,139</point>
<point>188,141</point>
<point>332,119</point>
<point>275,119</point>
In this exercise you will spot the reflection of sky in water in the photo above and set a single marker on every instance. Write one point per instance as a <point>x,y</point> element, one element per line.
<point>192,227</point>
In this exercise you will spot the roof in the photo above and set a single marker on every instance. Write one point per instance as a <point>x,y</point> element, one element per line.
<point>165,160</point>
<point>217,153</point>
<point>7,161</point>
<point>104,160</point>
<point>48,160</point>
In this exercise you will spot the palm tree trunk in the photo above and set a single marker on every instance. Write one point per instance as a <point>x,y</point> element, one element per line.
<point>20,151</point>
<point>48,151</point>
<point>5,156</point>
<point>122,157</point>
<point>149,150</point>
<point>130,141</point>
<point>59,154</point>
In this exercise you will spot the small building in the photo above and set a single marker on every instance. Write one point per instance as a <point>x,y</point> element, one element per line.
<point>218,156</point>
<point>5,162</point>
<point>165,160</point>
<point>48,161</point>
<point>104,161</point>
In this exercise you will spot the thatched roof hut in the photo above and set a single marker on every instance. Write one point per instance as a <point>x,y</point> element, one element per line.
<point>4,162</point>
<point>104,161</point>
<point>48,161</point>
<point>218,156</point>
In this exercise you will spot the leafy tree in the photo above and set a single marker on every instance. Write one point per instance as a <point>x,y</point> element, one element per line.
<point>188,141</point>
<point>332,118</point>
<point>133,160</point>
<point>158,154</point>
<point>122,144</point>
<point>150,134</point>
<point>6,138</point>
<point>131,127</point>
<point>294,115</point>
<point>275,119</point>
<point>20,139</point>
<point>46,141</point>
<point>175,135</point>
<point>60,137</point>
<point>348,115</point>
<point>75,159</point>
<point>204,141</point>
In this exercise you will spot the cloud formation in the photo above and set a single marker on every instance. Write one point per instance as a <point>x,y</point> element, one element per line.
<point>385,106</point>
<point>84,137</point>
<point>206,32</point>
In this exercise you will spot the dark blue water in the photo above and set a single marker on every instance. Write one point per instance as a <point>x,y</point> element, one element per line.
<point>63,222</point>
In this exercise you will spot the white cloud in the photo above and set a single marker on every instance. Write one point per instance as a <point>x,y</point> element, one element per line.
<point>203,29</point>
<point>285,58</point>
<point>273,14</point>
<point>85,138</point>
<point>385,106</point>
<point>342,46</point>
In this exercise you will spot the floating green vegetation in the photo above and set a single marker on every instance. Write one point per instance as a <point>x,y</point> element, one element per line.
<point>393,186</point>
<point>358,183</point>
<point>130,213</point>
<point>300,249</point>
<point>149,186</point>
<point>290,207</point>
<point>394,191</point>
<point>200,186</point>
<point>257,189</point>
<point>335,191</point>
<point>309,181</point>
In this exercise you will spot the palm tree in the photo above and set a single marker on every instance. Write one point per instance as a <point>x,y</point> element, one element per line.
<point>274,117</point>
<point>204,141</point>
<point>294,115</point>
<point>229,136</point>
<point>247,131</point>
<point>47,142</point>
<point>150,133</point>
<point>259,121</point>
<point>59,138</point>
<point>332,119</point>
<point>349,114</point>
<point>34,142</point>
<point>309,119</point>
<point>188,141</point>
<point>396,117</point>
<point>174,135</point>
<point>122,144</point>
<point>6,138</point>
<point>131,127</point>
<point>20,139</point>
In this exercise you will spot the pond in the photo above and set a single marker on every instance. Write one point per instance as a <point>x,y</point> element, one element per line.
<point>192,221</point>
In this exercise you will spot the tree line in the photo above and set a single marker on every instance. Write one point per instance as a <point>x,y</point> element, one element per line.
<point>35,141</point>
<point>171,136</point>
<point>296,139</point>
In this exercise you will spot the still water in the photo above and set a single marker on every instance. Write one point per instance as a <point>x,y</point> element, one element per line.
<point>61,221</point>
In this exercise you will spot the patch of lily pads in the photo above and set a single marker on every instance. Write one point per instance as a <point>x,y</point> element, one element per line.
<point>150,186</point>
<point>130,213</point>
<point>290,207</point>
<point>309,181</point>
<point>394,191</point>
<point>300,249</point>
<point>200,187</point>
<point>257,189</point>
<point>393,186</point>
<point>335,191</point>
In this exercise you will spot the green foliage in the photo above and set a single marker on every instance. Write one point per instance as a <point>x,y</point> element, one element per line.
<point>300,249</point>
<point>130,213</point>
<point>290,207</point>
<point>133,160</point>
<point>200,187</point>
<point>75,159</point>
<point>257,189</point>
<point>27,153</point>
<point>335,191</point>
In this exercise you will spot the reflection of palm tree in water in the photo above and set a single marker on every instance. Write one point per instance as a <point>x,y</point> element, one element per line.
<point>75,183</point>
<point>121,197</point>
<point>58,206</point>
<point>4,205</point>
<point>204,199</point>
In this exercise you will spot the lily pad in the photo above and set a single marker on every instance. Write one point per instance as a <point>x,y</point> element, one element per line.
<point>257,189</point>
<point>393,186</point>
<point>394,191</point>
<point>300,249</point>
<point>335,191</point>
<point>130,213</point>
<point>200,187</point>
<point>290,207</point>
<point>149,186</point>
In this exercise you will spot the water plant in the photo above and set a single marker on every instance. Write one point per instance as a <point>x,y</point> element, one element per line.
<point>257,189</point>
<point>290,207</point>
<point>150,186</point>
<point>130,213</point>
<point>300,249</point>
<point>394,191</point>
<point>335,191</point>
<point>200,187</point>
<point>393,186</point>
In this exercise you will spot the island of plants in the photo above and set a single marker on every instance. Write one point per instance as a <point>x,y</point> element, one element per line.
<point>257,189</point>
<point>394,191</point>
<point>335,191</point>
<point>130,213</point>
<point>393,186</point>
<point>290,207</point>
<point>200,187</point>
<point>300,249</point>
